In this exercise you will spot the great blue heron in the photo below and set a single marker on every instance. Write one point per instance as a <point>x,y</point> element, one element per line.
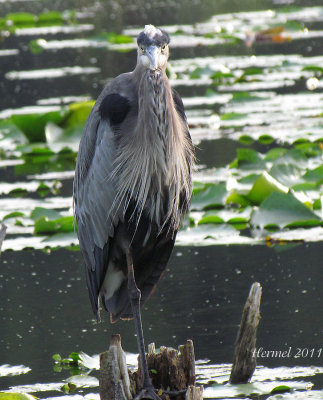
<point>132,186</point>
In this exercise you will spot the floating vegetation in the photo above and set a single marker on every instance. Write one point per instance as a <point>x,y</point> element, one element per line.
<point>256,195</point>
<point>16,396</point>
<point>214,377</point>
<point>13,370</point>
<point>73,363</point>
<point>275,190</point>
<point>252,87</point>
<point>279,190</point>
<point>15,21</point>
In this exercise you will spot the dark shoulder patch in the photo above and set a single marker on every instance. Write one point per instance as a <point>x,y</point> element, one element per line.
<point>179,104</point>
<point>115,108</point>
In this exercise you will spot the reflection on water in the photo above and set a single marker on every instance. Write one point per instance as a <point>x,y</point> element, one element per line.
<point>46,309</point>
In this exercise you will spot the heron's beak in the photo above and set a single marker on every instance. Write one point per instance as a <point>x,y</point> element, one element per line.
<point>153,53</point>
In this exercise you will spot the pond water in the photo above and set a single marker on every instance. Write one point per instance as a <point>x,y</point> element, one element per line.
<point>45,308</point>
<point>250,74</point>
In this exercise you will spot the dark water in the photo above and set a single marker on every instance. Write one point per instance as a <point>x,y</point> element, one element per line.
<point>113,17</point>
<point>45,308</point>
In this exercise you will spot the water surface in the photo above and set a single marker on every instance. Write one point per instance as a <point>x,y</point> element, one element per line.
<point>45,307</point>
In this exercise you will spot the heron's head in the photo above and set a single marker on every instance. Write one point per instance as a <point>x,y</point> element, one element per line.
<point>153,48</point>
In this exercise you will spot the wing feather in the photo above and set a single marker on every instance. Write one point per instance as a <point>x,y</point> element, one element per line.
<point>94,188</point>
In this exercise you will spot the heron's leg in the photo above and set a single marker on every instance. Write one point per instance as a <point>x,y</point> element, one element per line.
<point>135,294</point>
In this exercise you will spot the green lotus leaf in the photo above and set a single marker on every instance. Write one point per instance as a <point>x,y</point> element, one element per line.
<point>212,196</point>
<point>263,187</point>
<point>248,159</point>
<point>33,125</point>
<point>48,213</point>
<point>283,209</point>
<point>16,396</point>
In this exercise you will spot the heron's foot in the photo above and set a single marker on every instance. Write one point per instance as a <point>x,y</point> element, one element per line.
<point>147,393</point>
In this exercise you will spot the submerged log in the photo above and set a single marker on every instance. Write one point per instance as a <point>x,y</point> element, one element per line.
<point>245,361</point>
<point>172,373</point>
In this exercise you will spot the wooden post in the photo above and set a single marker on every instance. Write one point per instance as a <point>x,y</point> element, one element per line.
<point>172,373</point>
<point>188,355</point>
<point>194,393</point>
<point>3,230</point>
<point>244,361</point>
<point>114,379</point>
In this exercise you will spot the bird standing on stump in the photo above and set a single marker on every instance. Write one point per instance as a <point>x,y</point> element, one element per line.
<point>132,186</point>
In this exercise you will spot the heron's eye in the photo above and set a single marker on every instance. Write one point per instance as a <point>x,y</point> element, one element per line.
<point>142,50</point>
<point>164,48</point>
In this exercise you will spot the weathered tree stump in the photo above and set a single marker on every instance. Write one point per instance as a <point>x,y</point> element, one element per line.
<point>245,361</point>
<point>172,373</point>
<point>3,230</point>
<point>114,379</point>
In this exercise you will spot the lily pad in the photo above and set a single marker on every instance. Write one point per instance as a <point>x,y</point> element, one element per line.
<point>288,174</point>
<point>18,192</point>
<point>114,38</point>
<point>43,190</point>
<point>14,214</point>
<point>253,71</point>
<point>68,388</point>
<point>210,218</point>
<point>219,77</point>
<point>244,96</point>
<point>237,217</point>
<point>77,114</point>
<point>281,389</point>
<point>40,212</point>
<point>45,226</point>
<point>33,125</point>
<point>263,187</point>
<point>266,139</point>
<point>248,159</point>
<point>21,19</point>
<point>214,234</point>
<point>275,153</point>
<point>198,186</point>
<point>283,209</point>
<point>314,175</point>
<point>16,396</point>
<point>68,240</point>
<point>294,156</point>
<point>236,198</point>
<point>13,370</point>
<point>213,195</point>
<point>246,140</point>
<point>313,68</point>
<point>232,116</point>
<point>50,18</point>
<point>83,381</point>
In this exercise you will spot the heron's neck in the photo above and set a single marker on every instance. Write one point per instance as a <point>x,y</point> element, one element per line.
<point>154,157</point>
<point>154,111</point>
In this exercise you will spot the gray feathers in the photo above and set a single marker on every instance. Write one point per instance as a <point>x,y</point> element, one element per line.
<point>154,160</point>
<point>132,184</point>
